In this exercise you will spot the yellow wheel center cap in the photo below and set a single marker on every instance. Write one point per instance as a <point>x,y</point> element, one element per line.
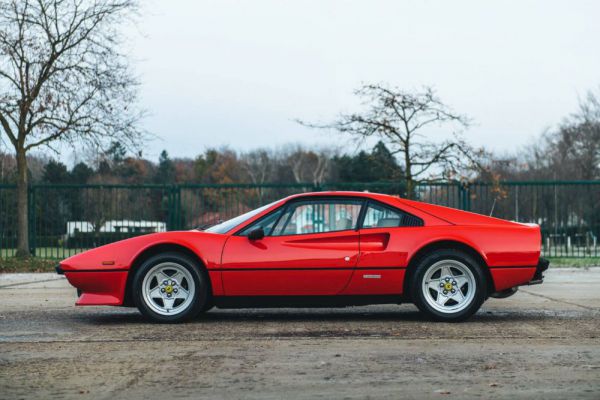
<point>169,289</point>
<point>448,286</point>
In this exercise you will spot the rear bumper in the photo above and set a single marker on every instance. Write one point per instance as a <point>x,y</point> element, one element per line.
<point>509,277</point>
<point>538,276</point>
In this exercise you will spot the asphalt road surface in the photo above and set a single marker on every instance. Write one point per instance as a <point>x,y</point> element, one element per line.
<point>544,342</point>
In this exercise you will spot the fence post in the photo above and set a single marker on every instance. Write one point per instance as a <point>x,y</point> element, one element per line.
<point>464,192</point>
<point>469,187</point>
<point>31,218</point>
<point>174,208</point>
<point>169,207</point>
<point>517,203</point>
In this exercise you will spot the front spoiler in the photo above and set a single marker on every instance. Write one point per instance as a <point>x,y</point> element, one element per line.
<point>97,287</point>
<point>541,267</point>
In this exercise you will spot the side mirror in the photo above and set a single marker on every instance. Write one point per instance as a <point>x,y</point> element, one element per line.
<point>256,234</point>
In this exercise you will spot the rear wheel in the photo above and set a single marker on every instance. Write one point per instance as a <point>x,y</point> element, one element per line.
<point>449,285</point>
<point>170,287</point>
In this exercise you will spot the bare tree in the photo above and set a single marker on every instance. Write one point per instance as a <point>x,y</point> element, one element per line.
<point>308,165</point>
<point>258,164</point>
<point>400,119</point>
<point>63,79</point>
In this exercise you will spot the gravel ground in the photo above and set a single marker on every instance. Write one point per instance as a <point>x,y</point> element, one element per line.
<point>544,342</point>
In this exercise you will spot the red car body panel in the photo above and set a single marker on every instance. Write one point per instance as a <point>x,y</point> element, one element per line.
<point>99,288</point>
<point>350,262</point>
<point>314,264</point>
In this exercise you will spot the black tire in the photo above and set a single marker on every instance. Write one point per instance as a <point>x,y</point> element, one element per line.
<point>200,297</point>
<point>417,291</point>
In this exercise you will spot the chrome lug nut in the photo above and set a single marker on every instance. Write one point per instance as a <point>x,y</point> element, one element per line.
<point>445,292</point>
<point>454,283</point>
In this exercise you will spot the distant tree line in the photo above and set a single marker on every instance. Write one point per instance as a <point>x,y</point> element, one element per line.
<point>293,164</point>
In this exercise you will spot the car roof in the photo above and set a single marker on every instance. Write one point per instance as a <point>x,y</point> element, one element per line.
<point>335,193</point>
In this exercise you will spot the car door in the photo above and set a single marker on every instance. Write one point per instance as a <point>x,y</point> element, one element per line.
<point>385,238</point>
<point>310,247</point>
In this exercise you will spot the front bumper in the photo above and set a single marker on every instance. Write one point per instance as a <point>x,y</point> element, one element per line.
<point>97,287</point>
<point>541,267</point>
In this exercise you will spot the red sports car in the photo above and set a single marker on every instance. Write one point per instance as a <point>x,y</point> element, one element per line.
<point>317,249</point>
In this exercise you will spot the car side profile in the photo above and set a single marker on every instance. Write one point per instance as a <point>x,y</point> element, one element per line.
<point>313,250</point>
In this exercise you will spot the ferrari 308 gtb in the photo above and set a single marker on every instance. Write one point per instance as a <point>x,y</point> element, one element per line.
<point>313,250</point>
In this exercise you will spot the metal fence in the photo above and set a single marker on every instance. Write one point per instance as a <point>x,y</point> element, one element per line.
<point>66,219</point>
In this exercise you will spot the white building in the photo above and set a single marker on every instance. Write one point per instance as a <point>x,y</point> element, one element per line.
<point>124,226</point>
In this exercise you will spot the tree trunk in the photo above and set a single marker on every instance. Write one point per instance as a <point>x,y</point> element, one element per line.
<point>22,206</point>
<point>410,189</point>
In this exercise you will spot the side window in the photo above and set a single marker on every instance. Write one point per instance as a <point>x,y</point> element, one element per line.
<point>379,216</point>
<point>266,223</point>
<point>318,216</point>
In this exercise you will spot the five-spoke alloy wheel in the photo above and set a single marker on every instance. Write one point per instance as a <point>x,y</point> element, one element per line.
<point>448,285</point>
<point>170,287</point>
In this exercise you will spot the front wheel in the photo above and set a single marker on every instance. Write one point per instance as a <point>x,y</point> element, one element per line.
<point>448,285</point>
<point>170,287</point>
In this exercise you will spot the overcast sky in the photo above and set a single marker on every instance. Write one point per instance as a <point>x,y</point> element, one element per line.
<point>238,73</point>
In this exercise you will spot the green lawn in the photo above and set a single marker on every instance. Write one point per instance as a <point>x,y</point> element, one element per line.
<point>29,265</point>
<point>55,253</point>
<point>45,260</point>
<point>576,262</point>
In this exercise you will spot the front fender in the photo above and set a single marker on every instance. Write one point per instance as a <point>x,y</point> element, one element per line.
<point>100,274</point>
<point>120,255</point>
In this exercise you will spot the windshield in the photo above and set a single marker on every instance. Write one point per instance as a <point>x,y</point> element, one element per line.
<point>228,225</point>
